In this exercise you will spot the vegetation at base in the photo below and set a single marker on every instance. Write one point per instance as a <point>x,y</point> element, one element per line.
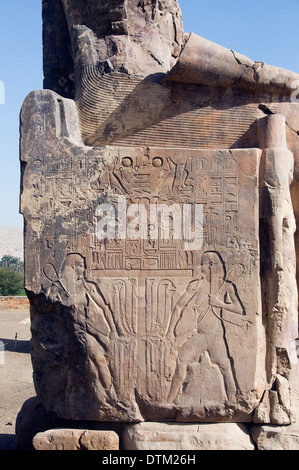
<point>11,276</point>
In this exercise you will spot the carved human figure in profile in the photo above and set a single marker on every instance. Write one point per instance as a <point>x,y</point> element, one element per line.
<point>209,297</point>
<point>93,316</point>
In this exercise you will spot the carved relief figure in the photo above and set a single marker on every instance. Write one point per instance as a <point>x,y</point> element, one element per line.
<point>209,297</point>
<point>93,317</point>
<point>277,175</point>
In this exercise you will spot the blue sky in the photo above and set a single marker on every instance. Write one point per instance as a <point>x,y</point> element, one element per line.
<point>264,30</point>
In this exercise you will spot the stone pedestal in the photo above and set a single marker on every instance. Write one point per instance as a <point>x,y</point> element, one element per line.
<point>173,436</point>
<point>76,439</point>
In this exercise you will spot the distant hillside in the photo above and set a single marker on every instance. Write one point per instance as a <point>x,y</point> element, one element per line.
<point>11,241</point>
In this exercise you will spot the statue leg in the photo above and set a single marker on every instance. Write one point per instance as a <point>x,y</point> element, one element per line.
<point>276,227</point>
<point>219,355</point>
<point>97,356</point>
<point>190,351</point>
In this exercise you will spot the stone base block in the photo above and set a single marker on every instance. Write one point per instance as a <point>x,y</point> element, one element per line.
<point>276,437</point>
<point>76,439</point>
<point>173,436</point>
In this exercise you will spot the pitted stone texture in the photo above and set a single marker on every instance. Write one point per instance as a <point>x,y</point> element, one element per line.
<point>170,436</point>
<point>76,439</point>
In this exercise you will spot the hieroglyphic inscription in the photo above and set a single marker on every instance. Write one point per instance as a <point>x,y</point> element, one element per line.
<point>148,282</point>
<point>174,178</point>
<point>182,179</point>
<point>212,182</point>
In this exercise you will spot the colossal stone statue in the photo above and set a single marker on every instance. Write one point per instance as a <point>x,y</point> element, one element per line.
<point>159,194</point>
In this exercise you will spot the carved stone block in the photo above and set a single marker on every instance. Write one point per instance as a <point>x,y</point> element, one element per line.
<point>163,322</point>
<point>76,439</point>
<point>276,438</point>
<point>173,436</point>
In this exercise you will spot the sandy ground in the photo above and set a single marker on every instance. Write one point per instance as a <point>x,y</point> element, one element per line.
<point>16,384</point>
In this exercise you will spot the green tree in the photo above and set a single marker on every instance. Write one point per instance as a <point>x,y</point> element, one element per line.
<point>11,282</point>
<point>12,263</point>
